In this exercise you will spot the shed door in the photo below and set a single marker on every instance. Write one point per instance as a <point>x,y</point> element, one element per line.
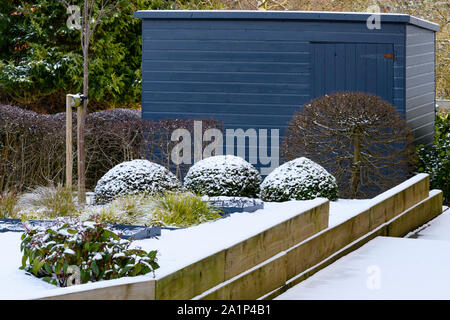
<point>352,67</point>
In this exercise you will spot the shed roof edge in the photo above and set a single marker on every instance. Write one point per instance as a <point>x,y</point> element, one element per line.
<point>282,15</point>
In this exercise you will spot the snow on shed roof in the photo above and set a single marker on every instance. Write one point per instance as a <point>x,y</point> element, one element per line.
<point>282,15</point>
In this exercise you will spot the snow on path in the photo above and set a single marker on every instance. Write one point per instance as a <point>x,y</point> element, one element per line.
<point>436,229</point>
<point>387,268</point>
<point>384,268</point>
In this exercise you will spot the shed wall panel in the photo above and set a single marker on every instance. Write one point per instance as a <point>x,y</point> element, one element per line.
<point>257,73</point>
<point>242,62</point>
<point>420,82</point>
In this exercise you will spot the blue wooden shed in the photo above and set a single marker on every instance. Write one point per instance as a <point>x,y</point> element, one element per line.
<point>254,69</point>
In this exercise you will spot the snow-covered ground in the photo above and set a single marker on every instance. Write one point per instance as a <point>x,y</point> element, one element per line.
<point>387,268</point>
<point>436,229</point>
<point>176,248</point>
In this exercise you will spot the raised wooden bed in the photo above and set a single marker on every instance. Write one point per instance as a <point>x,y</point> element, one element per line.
<point>394,213</point>
<point>274,260</point>
<point>206,273</point>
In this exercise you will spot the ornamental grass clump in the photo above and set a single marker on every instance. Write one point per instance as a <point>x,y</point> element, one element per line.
<point>74,251</point>
<point>176,209</point>
<point>132,209</point>
<point>183,209</point>
<point>46,203</point>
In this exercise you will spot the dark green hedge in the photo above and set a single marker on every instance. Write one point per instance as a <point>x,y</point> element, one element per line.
<point>435,159</point>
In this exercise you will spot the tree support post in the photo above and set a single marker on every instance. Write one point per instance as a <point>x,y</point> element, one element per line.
<point>69,156</point>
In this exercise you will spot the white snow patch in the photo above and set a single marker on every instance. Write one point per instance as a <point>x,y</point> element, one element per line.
<point>180,248</point>
<point>15,283</point>
<point>384,268</point>
<point>436,229</point>
<point>344,209</point>
<point>69,251</point>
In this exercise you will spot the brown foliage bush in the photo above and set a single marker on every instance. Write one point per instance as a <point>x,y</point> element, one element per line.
<point>362,140</point>
<point>32,145</point>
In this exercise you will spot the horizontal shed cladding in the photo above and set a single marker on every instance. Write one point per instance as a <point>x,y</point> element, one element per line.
<point>246,73</point>
<point>420,82</point>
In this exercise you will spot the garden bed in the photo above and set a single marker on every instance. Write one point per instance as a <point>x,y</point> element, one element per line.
<point>228,205</point>
<point>176,248</point>
<point>126,231</point>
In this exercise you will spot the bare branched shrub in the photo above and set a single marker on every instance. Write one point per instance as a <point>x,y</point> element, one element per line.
<point>8,201</point>
<point>119,135</point>
<point>158,144</point>
<point>359,138</point>
<point>112,137</point>
<point>32,145</point>
<point>31,149</point>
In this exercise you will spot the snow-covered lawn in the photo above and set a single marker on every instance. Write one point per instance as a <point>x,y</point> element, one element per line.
<point>176,248</point>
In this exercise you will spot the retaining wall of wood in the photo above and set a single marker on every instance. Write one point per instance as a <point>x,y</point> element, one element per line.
<point>202,275</point>
<point>276,259</point>
<point>393,213</point>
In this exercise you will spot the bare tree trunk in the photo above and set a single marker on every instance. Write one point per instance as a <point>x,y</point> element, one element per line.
<point>81,124</point>
<point>356,164</point>
<point>81,144</point>
<point>87,29</point>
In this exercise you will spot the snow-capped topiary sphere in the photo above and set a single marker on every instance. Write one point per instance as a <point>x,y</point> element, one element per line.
<point>299,179</point>
<point>133,177</point>
<point>223,176</point>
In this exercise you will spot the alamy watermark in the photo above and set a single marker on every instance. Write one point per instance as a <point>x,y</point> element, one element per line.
<point>373,281</point>
<point>252,144</point>
<point>74,19</point>
<point>374,20</point>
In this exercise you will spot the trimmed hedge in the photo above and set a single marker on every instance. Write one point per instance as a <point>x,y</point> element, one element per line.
<point>132,177</point>
<point>224,175</point>
<point>299,179</point>
<point>32,145</point>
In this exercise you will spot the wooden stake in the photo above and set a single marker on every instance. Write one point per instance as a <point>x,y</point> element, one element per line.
<point>69,158</point>
<point>80,155</point>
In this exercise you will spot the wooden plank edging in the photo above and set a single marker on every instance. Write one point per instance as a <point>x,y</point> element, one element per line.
<point>209,272</point>
<point>286,266</point>
<point>398,226</point>
<point>142,290</point>
<point>319,247</point>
